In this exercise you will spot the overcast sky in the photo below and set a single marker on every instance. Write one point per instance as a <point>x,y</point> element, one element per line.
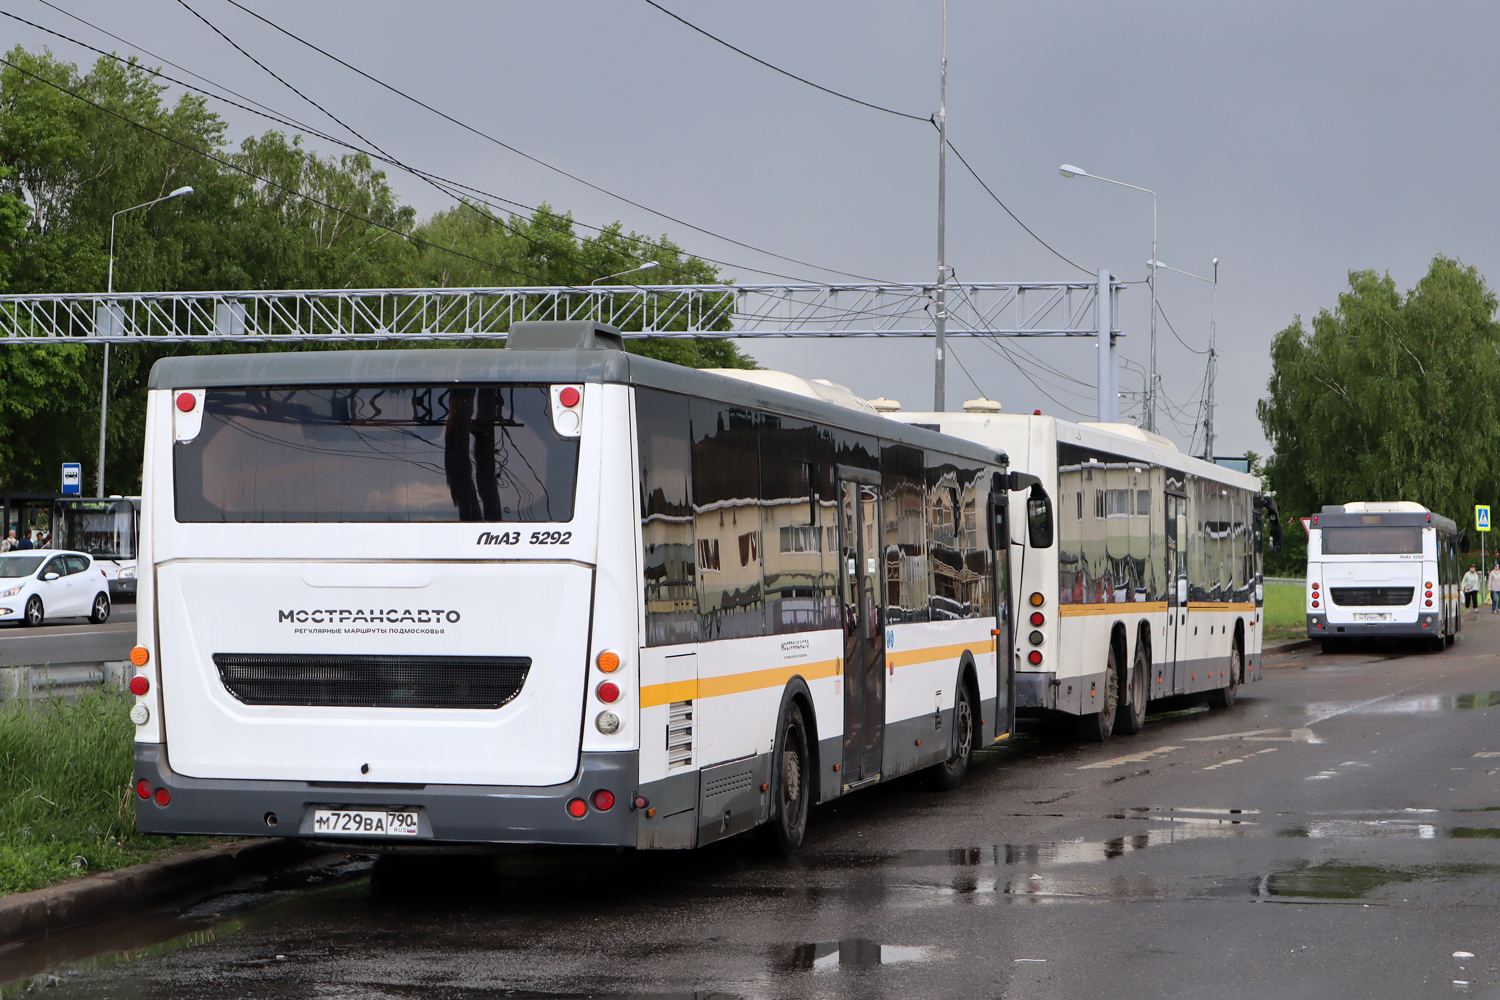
<point>1294,141</point>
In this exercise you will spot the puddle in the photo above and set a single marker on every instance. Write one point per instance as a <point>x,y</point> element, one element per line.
<point>852,953</point>
<point>1407,706</point>
<point>1337,880</point>
<point>56,960</point>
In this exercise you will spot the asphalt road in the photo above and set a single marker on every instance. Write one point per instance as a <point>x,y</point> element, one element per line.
<point>69,640</point>
<point>1332,835</point>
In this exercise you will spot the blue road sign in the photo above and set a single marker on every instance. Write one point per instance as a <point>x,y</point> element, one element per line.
<point>72,483</point>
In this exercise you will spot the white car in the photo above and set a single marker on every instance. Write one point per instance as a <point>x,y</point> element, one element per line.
<point>42,583</point>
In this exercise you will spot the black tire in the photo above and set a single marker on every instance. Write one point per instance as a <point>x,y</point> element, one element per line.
<point>1100,726</point>
<point>100,612</point>
<point>35,613</point>
<point>1130,715</point>
<point>1225,696</point>
<point>949,775</point>
<point>791,784</point>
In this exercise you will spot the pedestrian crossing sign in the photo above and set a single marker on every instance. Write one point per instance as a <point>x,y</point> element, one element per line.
<point>1482,517</point>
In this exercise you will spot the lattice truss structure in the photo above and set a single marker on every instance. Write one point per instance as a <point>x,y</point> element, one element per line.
<point>1043,309</point>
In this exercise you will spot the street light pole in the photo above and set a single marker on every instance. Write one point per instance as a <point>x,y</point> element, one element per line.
<point>1068,170</point>
<point>104,384</point>
<point>940,319</point>
<point>644,267</point>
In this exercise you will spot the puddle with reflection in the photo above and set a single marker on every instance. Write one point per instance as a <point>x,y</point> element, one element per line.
<point>1406,706</point>
<point>47,963</point>
<point>851,953</point>
<point>1340,880</point>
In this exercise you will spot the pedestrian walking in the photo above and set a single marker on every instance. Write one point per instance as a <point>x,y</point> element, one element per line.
<point>1470,587</point>
<point>9,542</point>
<point>1494,582</point>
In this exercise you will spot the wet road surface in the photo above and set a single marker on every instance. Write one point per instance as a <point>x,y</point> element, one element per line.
<point>69,640</point>
<point>1332,835</point>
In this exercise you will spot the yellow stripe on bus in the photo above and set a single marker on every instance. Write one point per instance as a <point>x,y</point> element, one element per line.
<point>751,680</point>
<point>1116,608</point>
<point>906,657</point>
<point>1219,606</point>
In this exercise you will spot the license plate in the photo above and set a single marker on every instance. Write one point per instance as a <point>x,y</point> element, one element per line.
<point>1372,617</point>
<point>364,823</point>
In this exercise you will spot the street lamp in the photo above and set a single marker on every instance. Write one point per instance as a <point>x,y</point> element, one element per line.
<point>1068,170</point>
<point>644,267</point>
<point>1213,364</point>
<point>110,311</point>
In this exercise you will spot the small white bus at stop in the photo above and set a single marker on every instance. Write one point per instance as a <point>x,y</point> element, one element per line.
<point>554,593</point>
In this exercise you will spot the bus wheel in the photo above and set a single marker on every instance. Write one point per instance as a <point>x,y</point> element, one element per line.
<point>1225,696</point>
<point>1130,717</point>
<point>1100,726</point>
<point>950,773</point>
<point>792,779</point>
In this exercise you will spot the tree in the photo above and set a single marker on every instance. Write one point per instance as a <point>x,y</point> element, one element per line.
<point>1389,397</point>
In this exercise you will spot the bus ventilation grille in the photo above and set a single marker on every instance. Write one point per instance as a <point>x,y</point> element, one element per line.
<point>353,681</point>
<point>1372,597</point>
<point>680,735</point>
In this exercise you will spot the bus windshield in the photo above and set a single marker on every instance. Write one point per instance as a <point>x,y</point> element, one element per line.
<point>105,530</point>
<point>1369,540</point>
<point>377,454</point>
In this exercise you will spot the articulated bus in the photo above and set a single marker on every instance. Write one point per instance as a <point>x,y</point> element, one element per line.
<point>555,593</point>
<point>1154,588</point>
<point>1383,569</point>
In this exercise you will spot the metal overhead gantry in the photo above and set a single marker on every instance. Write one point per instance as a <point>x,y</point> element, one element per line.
<point>974,309</point>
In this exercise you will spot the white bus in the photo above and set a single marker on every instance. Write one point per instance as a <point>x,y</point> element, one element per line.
<point>106,529</point>
<point>1383,569</point>
<point>554,593</point>
<point>1154,588</point>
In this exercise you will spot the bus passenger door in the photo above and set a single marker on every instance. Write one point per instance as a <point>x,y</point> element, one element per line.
<point>864,634</point>
<point>1175,650</point>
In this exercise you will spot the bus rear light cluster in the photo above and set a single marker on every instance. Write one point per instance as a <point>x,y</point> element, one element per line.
<point>1037,600</point>
<point>141,656</point>
<point>139,686</point>
<point>1428,594</point>
<point>1427,603</point>
<point>1315,594</point>
<point>603,800</point>
<point>1037,618</point>
<point>144,791</point>
<point>1036,638</point>
<point>1428,586</point>
<point>1034,657</point>
<point>608,692</point>
<point>608,661</point>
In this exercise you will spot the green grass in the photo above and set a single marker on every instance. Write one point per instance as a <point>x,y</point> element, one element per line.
<point>1286,612</point>
<point>66,804</point>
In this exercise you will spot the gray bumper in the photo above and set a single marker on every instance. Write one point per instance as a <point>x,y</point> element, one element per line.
<point>1319,628</point>
<point>121,588</point>
<point>1035,690</point>
<point>497,814</point>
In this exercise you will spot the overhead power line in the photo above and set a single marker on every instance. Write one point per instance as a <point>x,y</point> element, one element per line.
<point>1184,343</point>
<point>787,73</point>
<point>264,180</point>
<point>537,160</point>
<point>281,118</point>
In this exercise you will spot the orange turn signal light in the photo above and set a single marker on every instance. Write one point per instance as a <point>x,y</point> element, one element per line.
<point>140,656</point>
<point>608,661</point>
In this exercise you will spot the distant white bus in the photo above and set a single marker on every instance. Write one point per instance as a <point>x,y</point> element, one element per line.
<point>1383,569</point>
<point>1154,588</point>
<point>553,593</point>
<point>106,528</point>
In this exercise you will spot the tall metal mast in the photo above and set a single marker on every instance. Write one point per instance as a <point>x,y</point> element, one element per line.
<point>939,395</point>
<point>1213,364</point>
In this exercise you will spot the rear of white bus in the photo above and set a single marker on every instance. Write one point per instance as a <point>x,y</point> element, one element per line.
<point>1374,574</point>
<point>390,595</point>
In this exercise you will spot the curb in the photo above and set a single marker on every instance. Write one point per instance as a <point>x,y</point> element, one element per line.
<point>1288,647</point>
<point>111,894</point>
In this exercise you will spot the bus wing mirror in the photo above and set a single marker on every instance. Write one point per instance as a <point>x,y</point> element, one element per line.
<point>1463,540</point>
<point>1274,519</point>
<point>1039,518</point>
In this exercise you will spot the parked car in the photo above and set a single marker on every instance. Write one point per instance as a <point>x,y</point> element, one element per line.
<point>42,584</point>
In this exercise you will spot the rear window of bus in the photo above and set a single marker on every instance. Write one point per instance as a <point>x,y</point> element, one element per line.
<point>1371,541</point>
<point>376,454</point>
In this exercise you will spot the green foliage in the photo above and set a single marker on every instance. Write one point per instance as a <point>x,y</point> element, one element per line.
<point>1389,397</point>
<point>65,798</point>
<point>66,168</point>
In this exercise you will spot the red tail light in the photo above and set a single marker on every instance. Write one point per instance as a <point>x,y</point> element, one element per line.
<point>143,788</point>
<point>569,397</point>
<point>139,686</point>
<point>577,808</point>
<point>608,692</point>
<point>163,796</point>
<point>1037,618</point>
<point>604,801</point>
<point>1034,657</point>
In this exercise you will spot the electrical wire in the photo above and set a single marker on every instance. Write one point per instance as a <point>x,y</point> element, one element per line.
<point>540,162</point>
<point>1184,343</point>
<point>257,177</point>
<point>787,73</point>
<point>270,114</point>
